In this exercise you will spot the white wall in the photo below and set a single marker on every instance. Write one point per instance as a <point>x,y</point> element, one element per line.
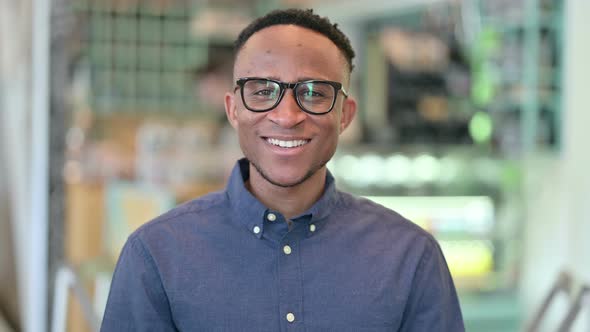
<point>558,188</point>
<point>8,295</point>
<point>577,133</point>
<point>15,45</point>
<point>24,41</point>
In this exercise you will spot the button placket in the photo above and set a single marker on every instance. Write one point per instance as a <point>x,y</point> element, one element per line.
<point>290,281</point>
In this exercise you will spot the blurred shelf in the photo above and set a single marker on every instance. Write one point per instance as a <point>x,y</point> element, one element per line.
<point>491,312</point>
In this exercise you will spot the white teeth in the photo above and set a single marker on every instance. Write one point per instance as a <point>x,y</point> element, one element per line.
<point>287,144</point>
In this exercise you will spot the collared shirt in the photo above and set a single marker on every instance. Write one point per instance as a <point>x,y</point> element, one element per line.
<point>225,262</point>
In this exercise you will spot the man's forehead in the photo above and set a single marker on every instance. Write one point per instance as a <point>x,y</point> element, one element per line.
<point>288,40</point>
<point>287,34</point>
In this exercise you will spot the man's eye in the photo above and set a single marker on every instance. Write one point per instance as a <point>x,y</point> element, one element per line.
<point>311,93</point>
<point>265,92</point>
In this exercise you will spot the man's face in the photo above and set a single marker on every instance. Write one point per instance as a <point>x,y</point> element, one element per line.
<point>289,53</point>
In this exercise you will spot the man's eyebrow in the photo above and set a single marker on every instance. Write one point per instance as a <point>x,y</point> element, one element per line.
<point>307,78</point>
<point>299,79</point>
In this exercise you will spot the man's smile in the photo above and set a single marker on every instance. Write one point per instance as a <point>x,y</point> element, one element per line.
<point>293,143</point>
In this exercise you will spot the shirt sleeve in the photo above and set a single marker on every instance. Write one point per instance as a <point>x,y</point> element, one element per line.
<point>137,300</point>
<point>433,304</point>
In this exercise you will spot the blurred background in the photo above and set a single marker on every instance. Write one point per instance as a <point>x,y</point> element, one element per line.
<point>473,123</point>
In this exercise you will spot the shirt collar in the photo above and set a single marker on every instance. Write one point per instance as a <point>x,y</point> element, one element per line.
<point>250,212</point>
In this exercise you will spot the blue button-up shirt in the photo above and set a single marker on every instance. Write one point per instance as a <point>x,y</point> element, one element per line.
<point>225,262</point>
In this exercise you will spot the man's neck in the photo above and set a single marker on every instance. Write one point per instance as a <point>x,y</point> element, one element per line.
<point>290,201</point>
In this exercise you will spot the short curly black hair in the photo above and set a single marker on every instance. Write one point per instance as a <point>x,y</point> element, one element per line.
<point>303,18</point>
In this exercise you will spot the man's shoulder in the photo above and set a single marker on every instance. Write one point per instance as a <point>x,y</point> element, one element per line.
<point>189,213</point>
<point>380,218</point>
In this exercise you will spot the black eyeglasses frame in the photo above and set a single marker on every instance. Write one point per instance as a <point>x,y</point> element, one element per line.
<point>283,87</point>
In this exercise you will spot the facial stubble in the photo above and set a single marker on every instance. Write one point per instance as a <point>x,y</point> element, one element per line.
<point>308,175</point>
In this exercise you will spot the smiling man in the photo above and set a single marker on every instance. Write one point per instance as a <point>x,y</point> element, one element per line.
<point>281,249</point>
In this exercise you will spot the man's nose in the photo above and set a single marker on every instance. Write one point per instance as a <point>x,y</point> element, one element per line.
<point>287,114</point>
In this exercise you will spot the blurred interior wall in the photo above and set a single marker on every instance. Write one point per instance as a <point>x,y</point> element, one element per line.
<point>577,134</point>
<point>8,304</point>
<point>15,95</point>
<point>558,187</point>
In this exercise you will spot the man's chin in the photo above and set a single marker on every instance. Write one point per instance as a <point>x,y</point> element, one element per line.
<point>286,182</point>
<point>282,182</point>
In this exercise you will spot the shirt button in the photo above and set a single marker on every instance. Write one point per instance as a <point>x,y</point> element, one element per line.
<point>312,227</point>
<point>287,250</point>
<point>290,317</point>
<point>271,217</point>
<point>256,230</point>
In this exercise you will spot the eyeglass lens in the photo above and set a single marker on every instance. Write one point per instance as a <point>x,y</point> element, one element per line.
<point>314,97</point>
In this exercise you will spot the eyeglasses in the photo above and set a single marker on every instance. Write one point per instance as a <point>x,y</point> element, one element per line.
<point>313,97</point>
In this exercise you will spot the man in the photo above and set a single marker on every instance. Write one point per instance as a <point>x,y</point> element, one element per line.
<point>280,249</point>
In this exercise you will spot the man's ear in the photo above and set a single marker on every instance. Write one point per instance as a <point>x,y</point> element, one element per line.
<point>230,109</point>
<point>348,113</point>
